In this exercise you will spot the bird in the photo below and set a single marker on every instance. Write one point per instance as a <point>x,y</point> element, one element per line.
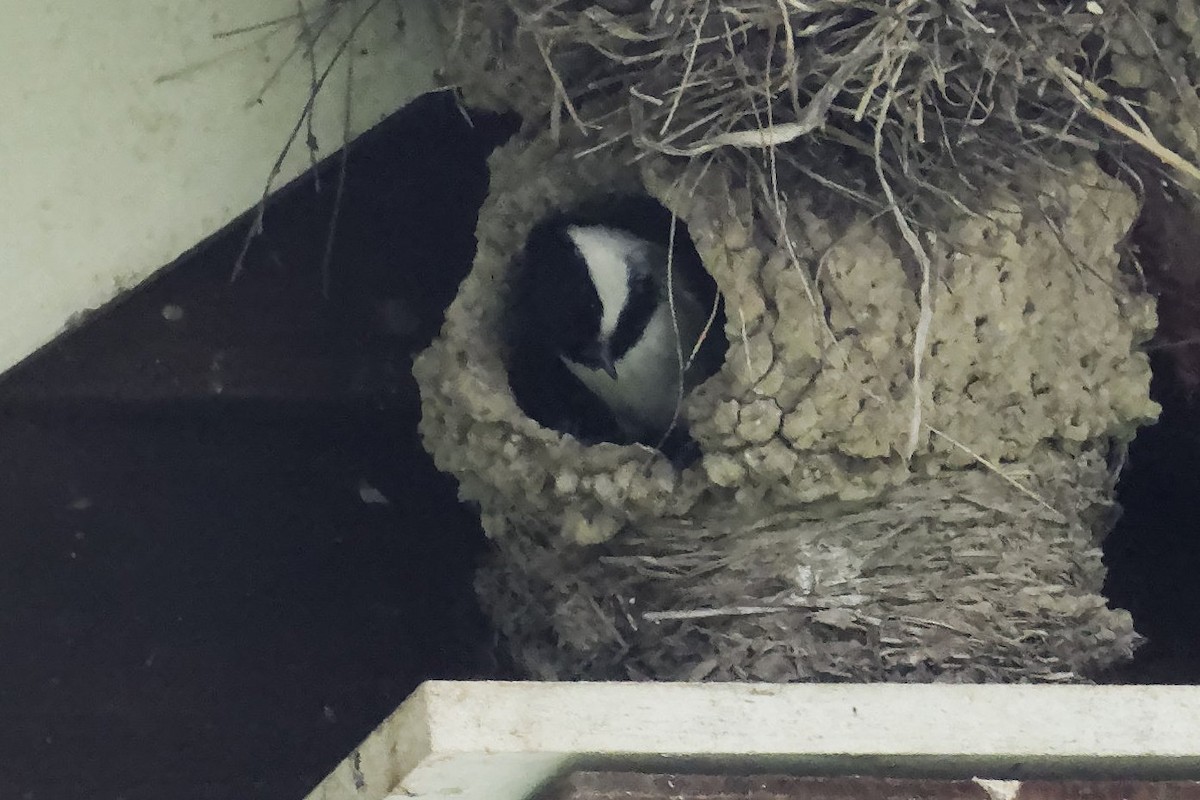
<point>601,332</point>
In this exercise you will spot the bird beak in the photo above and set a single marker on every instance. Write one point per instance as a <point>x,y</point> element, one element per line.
<point>606,362</point>
<point>598,356</point>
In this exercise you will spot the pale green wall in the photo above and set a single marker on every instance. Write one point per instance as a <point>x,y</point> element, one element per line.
<point>128,134</point>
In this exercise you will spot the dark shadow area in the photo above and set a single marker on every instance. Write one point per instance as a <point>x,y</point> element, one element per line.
<point>1153,555</point>
<point>225,556</point>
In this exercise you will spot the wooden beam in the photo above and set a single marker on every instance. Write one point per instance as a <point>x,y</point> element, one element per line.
<point>507,741</point>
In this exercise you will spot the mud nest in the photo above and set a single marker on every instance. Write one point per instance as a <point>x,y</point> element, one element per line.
<point>806,544</point>
<point>935,335</point>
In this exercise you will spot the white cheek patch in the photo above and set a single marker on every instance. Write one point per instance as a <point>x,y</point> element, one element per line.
<point>606,252</point>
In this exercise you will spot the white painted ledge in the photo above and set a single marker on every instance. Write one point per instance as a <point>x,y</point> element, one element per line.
<point>503,741</point>
<point>129,132</point>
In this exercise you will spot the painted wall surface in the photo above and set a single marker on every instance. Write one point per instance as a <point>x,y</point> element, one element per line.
<point>133,129</point>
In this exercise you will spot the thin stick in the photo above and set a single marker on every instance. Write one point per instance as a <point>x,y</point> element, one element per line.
<point>256,227</point>
<point>310,55</point>
<point>559,88</point>
<point>687,72</point>
<point>925,317</point>
<point>709,613</point>
<point>704,332</point>
<point>1020,487</point>
<point>1140,137</point>
<point>257,26</point>
<point>675,328</point>
<point>298,46</point>
<point>327,257</point>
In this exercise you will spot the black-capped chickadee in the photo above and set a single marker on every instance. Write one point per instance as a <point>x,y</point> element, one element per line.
<point>592,311</point>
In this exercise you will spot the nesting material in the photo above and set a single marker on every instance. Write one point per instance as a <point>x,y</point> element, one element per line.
<point>950,578</point>
<point>1156,53</point>
<point>937,100</point>
<point>935,345</point>
<point>805,545</point>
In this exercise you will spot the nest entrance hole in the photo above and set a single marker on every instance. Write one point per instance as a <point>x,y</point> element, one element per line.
<point>547,392</point>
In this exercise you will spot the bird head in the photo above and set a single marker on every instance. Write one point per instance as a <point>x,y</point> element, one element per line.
<point>594,290</point>
<point>595,354</point>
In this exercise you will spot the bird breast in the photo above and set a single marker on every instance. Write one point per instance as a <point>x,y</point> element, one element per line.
<point>646,391</point>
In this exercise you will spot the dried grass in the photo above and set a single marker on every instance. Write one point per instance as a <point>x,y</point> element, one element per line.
<point>323,35</point>
<point>907,106</point>
<point>951,578</point>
